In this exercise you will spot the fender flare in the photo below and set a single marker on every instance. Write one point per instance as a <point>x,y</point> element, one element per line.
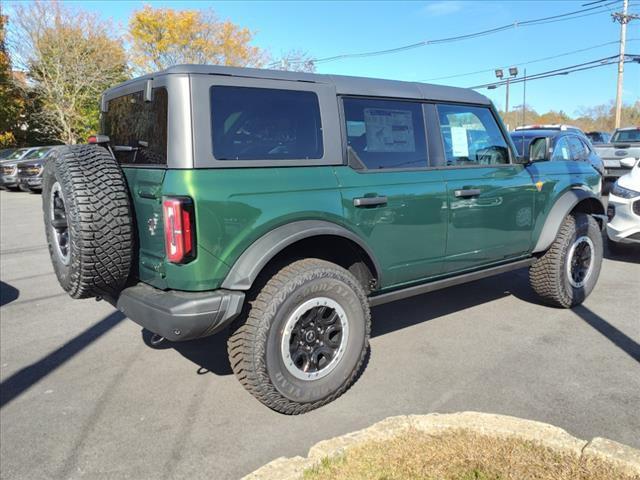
<point>251,262</point>
<point>563,206</point>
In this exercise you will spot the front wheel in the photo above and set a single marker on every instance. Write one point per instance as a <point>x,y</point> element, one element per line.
<point>305,338</point>
<point>567,273</point>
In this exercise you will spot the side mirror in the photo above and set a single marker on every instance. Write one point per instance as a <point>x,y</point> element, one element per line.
<point>539,149</point>
<point>628,162</point>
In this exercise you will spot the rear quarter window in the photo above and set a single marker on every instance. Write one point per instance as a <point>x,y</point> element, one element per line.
<point>138,129</point>
<point>265,124</point>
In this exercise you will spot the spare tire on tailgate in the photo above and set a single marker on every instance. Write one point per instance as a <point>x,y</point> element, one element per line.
<point>88,222</point>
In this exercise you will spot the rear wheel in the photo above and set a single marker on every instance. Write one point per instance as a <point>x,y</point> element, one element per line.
<point>87,220</point>
<point>567,273</point>
<point>304,339</point>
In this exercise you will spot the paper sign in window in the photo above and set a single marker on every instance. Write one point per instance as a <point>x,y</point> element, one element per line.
<point>389,130</point>
<point>459,142</point>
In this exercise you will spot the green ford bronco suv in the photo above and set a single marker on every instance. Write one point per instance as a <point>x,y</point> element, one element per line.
<point>281,206</point>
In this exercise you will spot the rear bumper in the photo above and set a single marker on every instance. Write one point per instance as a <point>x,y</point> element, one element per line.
<point>177,315</point>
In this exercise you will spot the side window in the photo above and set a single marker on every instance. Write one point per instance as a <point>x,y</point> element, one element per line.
<point>385,133</point>
<point>579,149</point>
<point>263,123</point>
<point>140,126</point>
<point>562,150</point>
<point>471,136</point>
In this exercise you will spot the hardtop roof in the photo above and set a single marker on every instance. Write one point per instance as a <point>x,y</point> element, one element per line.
<point>345,85</point>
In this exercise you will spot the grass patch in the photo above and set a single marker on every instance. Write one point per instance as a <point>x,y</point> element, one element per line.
<point>459,455</point>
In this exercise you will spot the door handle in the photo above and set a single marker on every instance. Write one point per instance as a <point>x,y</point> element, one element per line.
<point>468,192</point>
<point>369,201</point>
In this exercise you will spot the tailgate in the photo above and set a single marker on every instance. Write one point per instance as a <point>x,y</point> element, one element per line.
<point>145,187</point>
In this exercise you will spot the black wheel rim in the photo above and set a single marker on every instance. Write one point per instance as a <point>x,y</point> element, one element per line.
<point>314,338</point>
<point>60,224</point>
<point>580,261</point>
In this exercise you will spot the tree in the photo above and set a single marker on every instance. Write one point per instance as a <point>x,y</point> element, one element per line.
<point>161,37</point>
<point>11,102</point>
<point>515,118</point>
<point>70,59</point>
<point>295,61</point>
<point>602,117</point>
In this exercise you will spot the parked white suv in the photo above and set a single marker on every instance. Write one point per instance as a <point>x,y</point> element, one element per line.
<point>624,205</point>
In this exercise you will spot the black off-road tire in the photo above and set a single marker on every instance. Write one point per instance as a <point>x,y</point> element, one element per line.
<point>99,241</point>
<point>255,340</point>
<point>549,276</point>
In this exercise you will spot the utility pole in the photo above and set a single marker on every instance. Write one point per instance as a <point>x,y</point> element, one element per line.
<point>623,18</point>
<point>524,97</point>
<point>506,102</point>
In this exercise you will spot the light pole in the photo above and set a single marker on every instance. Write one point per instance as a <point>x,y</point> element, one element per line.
<point>513,72</point>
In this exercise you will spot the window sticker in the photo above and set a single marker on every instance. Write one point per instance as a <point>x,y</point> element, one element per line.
<point>389,130</point>
<point>459,142</point>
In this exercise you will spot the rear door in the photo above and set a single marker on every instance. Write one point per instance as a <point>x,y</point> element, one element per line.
<point>389,195</point>
<point>489,198</point>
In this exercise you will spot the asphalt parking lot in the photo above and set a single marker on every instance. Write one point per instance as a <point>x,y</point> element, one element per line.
<point>83,396</point>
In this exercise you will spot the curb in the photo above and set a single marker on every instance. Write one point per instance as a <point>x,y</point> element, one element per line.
<point>555,438</point>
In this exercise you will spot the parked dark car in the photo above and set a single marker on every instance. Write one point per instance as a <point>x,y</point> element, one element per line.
<point>562,145</point>
<point>598,138</point>
<point>9,168</point>
<point>30,170</point>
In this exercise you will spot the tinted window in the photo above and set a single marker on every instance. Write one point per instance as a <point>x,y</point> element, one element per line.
<point>521,143</point>
<point>141,126</point>
<point>596,137</point>
<point>263,124</point>
<point>471,136</point>
<point>35,154</point>
<point>17,154</point>
<point>579,150</point>
<point>562,150</point>
<point>626,136</point>
<point>385,134</point>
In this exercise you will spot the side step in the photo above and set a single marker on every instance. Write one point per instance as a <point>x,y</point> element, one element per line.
<point>447,282</point>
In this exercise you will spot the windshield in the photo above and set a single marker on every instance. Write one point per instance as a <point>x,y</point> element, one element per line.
<point>41,152</point>
<point>17,154</point>
<point>626,136</point>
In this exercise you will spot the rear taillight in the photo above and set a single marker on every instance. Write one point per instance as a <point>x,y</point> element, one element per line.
<point>179,229</point>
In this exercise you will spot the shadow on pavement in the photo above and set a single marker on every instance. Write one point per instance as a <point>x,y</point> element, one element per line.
<point>405,313</point>
<point>618,338</point>
<point>209,353</point>
<point>25,378</point>
<point>622,252</point>
<point>8,293</point>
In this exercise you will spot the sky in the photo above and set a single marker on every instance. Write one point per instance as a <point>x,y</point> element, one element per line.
<point>328,28</point>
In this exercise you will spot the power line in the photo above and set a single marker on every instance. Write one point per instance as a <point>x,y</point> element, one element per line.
<point>537,21</point>
<point>601,62</point>
<point>457,75</point>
